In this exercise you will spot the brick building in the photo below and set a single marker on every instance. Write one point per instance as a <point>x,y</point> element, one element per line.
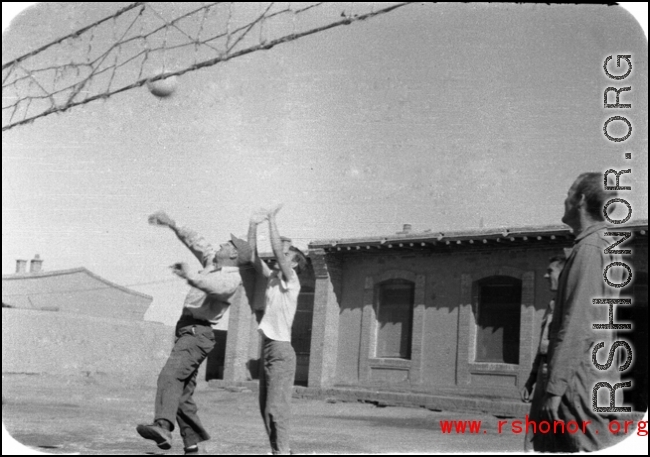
<point>453,314</point>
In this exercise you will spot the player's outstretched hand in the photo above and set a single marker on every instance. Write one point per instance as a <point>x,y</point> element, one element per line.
<point>259,216</point>
<point>161,218</point>
<point>181,269</point>
<point>274,211</point>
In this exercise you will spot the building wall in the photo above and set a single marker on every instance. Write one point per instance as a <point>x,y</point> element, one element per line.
<point>442,304</point>
<point>447,318</point>
<point>444,320</point>
<point>58,343</point>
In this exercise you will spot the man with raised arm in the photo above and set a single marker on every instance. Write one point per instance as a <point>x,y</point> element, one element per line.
<point>213,289</point>
<point>278,364</point>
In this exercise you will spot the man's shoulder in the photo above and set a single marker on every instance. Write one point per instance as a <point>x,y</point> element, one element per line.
<point>597,239</point>
<point>294,277</point>
<point>293,282</point>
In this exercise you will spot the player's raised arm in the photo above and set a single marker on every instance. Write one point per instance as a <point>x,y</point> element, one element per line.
<point>256,219</point>
<point>201,249</point>
<point>218,286</point>
<point>276,244</point>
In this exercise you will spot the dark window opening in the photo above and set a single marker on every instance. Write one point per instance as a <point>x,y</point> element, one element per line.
<point>499,315</point>
<point>395,318</point>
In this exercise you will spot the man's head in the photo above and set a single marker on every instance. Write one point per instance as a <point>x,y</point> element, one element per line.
<point>286,243</point>
<point>555,266</point>
<point>586,199</point>
<point>298,259</point>
<point>234,252</point>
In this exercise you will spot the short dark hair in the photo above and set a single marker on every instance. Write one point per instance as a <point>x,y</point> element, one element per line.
<point>301,259</point>
<point>591,185</point>
<point>560,259</point>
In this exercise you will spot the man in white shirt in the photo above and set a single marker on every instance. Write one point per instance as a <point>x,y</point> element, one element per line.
<point>278,364</point>
<point>213,289</point>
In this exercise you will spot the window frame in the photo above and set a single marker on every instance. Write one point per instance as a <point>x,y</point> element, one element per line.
<point>468,370</point>
<point>369,365</point>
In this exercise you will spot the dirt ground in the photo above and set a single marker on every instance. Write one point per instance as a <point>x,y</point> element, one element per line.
<point>98,416</point>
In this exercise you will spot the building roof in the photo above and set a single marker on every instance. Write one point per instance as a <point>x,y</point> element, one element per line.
<point>509,236</point>
<point>77,291</point>
<point>47,274</point>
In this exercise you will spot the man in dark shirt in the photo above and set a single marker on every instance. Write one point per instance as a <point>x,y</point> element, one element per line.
<point>538,374</point>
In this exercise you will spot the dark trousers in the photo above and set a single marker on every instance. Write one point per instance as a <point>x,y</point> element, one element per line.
<point>177,380</point>
<point>534,441</point>
<point>276,387</point>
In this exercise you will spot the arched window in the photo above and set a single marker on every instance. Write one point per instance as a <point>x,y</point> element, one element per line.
<point>395,298</point>
<point>498,320</point>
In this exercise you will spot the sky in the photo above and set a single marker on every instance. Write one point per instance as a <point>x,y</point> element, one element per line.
<point>442,116</point>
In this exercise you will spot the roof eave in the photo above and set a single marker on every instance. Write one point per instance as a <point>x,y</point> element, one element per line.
<point>433,238</point>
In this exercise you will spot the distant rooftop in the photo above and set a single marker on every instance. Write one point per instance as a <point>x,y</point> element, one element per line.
<point>77,291</point>
<point>73,271</point>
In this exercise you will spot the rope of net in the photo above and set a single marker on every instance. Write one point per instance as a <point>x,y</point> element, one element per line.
<point>134,46</point>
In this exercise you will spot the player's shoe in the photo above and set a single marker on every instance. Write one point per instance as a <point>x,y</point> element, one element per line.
<point>192,450</point>
<point>162,437</point>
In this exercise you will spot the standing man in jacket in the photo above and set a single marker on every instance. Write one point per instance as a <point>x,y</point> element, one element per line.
<point>571,373</point>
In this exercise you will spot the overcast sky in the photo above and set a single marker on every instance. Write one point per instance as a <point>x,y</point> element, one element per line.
<point>444,116</point>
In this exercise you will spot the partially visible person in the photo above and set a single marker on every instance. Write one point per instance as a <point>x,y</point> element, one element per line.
<point>213,289</point>
<point>278,364</point>
<point>571,373</point>
<point>536,383</point>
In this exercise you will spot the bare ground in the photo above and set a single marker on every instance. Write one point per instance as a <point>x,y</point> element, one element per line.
<point>91,415</point>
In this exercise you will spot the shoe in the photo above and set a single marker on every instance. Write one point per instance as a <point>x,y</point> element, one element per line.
<point>162,437</point>
<point>192,450</point>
